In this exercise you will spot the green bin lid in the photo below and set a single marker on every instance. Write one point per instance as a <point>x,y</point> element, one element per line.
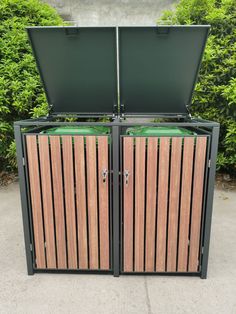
<point>83,130</point>
<point>159,131</point>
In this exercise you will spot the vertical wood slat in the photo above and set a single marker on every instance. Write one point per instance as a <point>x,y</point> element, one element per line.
<point>35,193</point>
<point>103,201</point>
<point>151,203</point>
<point>140,148</point>
<point>56,161</point>
<point>46,184</point>
<point>128,192</point>
<point>176,148</point>
<point>69,200</point>
<point>198,183</point>
<point>92,200</point>
<point>187,167</point>
<point>163,178</point>
<point>81,201</point>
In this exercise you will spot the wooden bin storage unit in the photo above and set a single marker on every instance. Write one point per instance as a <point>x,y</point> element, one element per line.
<point>117,203</point>
<point>163,189</point>
<point>69,194</point>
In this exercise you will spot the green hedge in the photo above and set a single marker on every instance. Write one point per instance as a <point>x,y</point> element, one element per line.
<point>215,93</point>
<point>21,94</point>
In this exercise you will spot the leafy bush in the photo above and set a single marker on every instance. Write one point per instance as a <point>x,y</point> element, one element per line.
<point>215,93</point>
<point>21,93</point>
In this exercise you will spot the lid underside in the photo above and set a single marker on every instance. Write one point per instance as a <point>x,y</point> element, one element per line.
<point>159,67</point>
<point>77,67</point>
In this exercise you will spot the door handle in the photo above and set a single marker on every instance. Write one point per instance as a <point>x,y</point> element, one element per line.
<point>126,176</point>
<point>104,175</point>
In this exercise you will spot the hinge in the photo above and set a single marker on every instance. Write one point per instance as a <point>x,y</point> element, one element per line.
<point>45,245</point>
<point>115,110</point>
<point>23,161</point>
<point>122,110</point>
<point>188,111</point>
<point>31,247</point>
<point>209,163</point>
<point>50,110</point>
<point>199,264</point>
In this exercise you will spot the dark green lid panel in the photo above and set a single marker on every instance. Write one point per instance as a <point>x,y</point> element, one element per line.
<point>159,67</point>
<point>77,67</point>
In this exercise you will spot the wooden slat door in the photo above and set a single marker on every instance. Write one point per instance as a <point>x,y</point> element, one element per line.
<point>69,178</point>
<point>36,203</point>
<point>57,179</point>
<point>139,203</point>
<point>151,196</point>
<point>162,203</point>
<point>174,196</point>
<point>92,200</point>
<point>128,210</point>
<point>68,170</point>
<point>197,199</point>
<point>46,185</point>
<point>103,192</point>
<point>80,177</point>
<point>187,171</point>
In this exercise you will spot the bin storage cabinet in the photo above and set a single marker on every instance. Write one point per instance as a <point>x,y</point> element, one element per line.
<point>117,202</point>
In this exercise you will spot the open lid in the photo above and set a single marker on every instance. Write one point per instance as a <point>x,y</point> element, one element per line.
<point>77,66</point>
<point>159,67</point>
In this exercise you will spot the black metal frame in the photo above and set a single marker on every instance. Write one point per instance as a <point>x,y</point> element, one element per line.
<point>24,198</point>
<point>117,126</point>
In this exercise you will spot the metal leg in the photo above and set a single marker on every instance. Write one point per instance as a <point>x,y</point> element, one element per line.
<point>116,207</point>
<point>209,201</point>
<point>24,204</point>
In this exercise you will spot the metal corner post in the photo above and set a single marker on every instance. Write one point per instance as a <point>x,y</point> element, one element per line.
<point>116,211</point>
<point>24,203</point>
<point>209,201</point>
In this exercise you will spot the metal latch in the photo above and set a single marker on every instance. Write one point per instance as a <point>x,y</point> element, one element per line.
<point>104,175</point>
<point>163,30</point>
<point>126,176</point>
<point>72,31</point>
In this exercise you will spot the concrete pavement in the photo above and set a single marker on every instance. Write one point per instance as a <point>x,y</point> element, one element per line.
<point>52,293</point>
